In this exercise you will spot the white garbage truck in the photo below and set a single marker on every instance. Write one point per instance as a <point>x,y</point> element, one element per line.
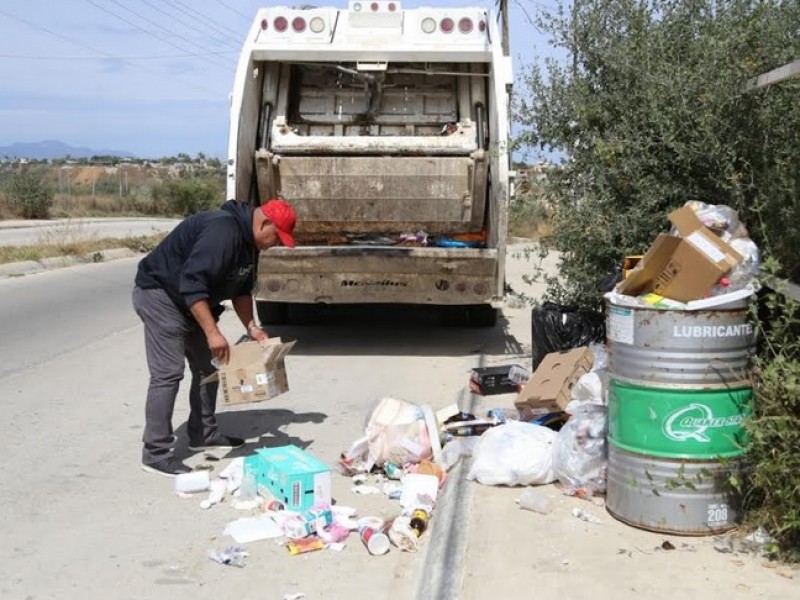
<point>387,130</point>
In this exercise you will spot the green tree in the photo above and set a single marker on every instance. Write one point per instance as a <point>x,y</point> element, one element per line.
<point>649,112</point>
<point>29,194</point>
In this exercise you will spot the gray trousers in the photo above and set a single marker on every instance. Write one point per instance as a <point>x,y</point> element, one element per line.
<point>170,337</point>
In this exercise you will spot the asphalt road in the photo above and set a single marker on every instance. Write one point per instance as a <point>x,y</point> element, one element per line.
<point>25,233</point>
<point>81,520</point>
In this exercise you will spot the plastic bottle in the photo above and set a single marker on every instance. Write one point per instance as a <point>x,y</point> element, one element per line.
<point>248,490</point>
<point>419,521</point>
<point>519,375</point>
<point>535,501</point>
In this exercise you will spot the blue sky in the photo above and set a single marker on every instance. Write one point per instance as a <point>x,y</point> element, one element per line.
<point>151,77</point>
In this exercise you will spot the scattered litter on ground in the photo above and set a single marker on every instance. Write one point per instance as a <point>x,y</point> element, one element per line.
<point>584,515</point>
<point>251,529</point>
<point>232,556</point>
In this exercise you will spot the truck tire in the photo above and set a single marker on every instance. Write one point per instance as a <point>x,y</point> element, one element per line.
<point>272,313</point>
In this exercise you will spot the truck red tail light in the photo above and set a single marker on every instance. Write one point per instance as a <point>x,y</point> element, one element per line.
<point>299,24</point>
<point>392,7</point>
<point>465,25</point>
<point>374,6</point>
<point>447,25</point>
<point>264,23</point>
<point>481,26</point>
<point>280,24</point>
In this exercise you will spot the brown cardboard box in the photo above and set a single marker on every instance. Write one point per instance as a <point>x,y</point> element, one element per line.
<point>682,268</point>
<point>550,388</point>
<point>629,264</point>
<point>254,373</point>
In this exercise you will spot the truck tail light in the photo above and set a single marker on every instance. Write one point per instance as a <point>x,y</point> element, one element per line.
<point>481,26</point>
<point>264,23</point>
<point>392,7</point>
<point>447,25</point>
<point>280,24</point>
<point>374,6</point>
<point>428,25</point>
<point>299,24</point>
<point>465,25</point>
<point>316,25</point>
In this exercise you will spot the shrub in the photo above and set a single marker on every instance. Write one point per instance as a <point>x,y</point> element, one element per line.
<point>186,197</point>
<point>29,194</point>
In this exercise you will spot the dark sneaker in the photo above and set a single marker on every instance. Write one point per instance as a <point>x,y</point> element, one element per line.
<point>218,442</point>
<point>169,467</point>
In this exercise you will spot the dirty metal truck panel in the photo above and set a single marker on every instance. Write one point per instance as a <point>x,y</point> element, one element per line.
<point>381,275</point>
<point>361,194</point>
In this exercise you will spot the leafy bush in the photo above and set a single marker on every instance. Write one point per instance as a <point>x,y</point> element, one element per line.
<point>186,197</point>
<point>650,111</point>
<point>29,194</point>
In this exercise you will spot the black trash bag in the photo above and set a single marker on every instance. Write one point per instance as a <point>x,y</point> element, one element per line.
<point>556,328</point>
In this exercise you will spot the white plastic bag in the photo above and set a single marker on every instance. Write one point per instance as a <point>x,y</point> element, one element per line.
<point>514,453</point>
<point>397,432</point>
<point>580,456</point>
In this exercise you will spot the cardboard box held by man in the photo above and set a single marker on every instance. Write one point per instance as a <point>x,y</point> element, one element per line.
<point>255,372</point>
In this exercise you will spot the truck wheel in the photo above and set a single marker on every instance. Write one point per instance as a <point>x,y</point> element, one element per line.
<point>273,313</point>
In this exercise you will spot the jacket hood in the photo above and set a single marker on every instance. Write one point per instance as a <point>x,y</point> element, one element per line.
<point>244,217</point>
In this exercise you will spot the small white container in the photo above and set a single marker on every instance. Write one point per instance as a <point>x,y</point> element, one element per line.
<point>535,501</point>
<point>189,483</point>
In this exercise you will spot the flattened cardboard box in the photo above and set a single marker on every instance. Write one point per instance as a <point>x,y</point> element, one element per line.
<point>550,388</point>
<point>682,268</point>
<point>254,372</point>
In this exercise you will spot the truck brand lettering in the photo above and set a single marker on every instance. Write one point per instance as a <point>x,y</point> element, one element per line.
<point>692,422</point>
<point>370,282</point>
<point>712,331</point>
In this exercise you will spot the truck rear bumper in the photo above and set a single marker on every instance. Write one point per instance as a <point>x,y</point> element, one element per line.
<point>339,275</point>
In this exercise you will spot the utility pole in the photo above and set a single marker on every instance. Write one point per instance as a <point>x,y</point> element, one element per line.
<point>502,6</point>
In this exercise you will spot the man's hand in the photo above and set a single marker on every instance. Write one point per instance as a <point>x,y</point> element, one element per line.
<point>257,334</point>
<point>219,346</point>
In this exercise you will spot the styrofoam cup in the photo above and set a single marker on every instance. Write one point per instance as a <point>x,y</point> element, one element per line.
<point>196,481</point>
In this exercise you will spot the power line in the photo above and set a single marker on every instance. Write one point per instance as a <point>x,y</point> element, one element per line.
<point>101,53</point>
<point>217,34</point>
<point>230,8</point>
<point>150,33</point>
<point>193,11</point>
<point>122,58</point>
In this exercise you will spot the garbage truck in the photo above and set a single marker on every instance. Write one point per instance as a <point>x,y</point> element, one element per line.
<point>387,129</point>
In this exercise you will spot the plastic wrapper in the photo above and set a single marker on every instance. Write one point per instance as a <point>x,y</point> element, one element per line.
<point>397,432</point>
<point>514,453</point>
<point>556,328</point>
<point>720,218</point>
<point>581,456</point>
<point>744,274</point>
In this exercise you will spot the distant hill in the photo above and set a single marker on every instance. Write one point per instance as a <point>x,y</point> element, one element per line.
<point>55,149</point>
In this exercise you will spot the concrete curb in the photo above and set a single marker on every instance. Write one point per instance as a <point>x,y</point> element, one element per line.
<point>442,573</point>
<point>30,267</point>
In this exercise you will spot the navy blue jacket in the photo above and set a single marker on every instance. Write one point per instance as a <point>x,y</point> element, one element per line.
<point>208,256</point>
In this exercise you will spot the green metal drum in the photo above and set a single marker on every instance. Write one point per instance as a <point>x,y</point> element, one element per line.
<point>679,393</point>
<point>678,423</point>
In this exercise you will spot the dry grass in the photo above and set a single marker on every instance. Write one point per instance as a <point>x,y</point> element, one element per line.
<point>74,242</point>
